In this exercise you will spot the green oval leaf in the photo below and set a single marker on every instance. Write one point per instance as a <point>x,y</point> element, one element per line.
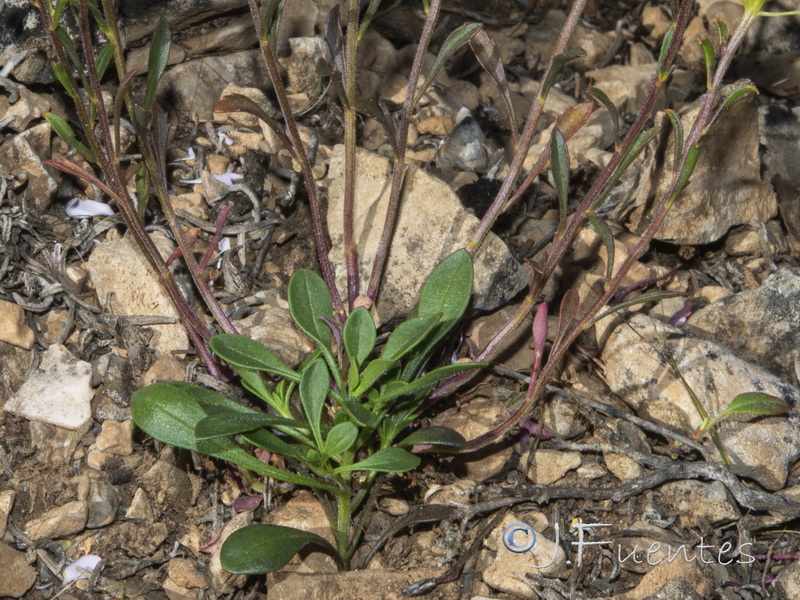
<point>435,435</point>
<point>258,549</point>
<point>340,439</point>
<point>452,44</point>
<point>359,335</point>
<point>407,335</point>
<point>242,351</point>
<point>314,386</point>
<point>310,299</point>
<point>387,460</point>
<point>757,403</point>
<point>374,371</point>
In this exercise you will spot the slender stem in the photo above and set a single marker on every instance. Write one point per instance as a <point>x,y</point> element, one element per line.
<point>305,166</point>
<point>537,107</point>
<point>350,248</point>
<point>399,170</point>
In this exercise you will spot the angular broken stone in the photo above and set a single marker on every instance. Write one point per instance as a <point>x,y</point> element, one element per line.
<point>726,188</point>
<point>759,447</point>
<point>760,325</point>
<point>58,392</point>
<point>431,224</point>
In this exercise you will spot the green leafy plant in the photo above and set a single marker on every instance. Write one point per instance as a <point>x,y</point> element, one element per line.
<point>336,420</point>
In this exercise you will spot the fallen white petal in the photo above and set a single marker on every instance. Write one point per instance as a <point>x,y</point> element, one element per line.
<point>81,568</point>
<point>226,139</point>
<point>224,245</point>
<point>78,208</point>
<point>228,178</point>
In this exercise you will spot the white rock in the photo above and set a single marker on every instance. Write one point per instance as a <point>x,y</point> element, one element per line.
<point>119,269</point>
<point>431,224</point>
<point>58,392</point>
<point>761,448</point>
<point>13,328</point>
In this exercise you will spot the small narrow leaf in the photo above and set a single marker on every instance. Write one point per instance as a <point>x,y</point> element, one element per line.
<point>374,371</point>
<point>242,351</point>
<point>387,460</point>
<point>558,63</point>
<point>636,148</point>
<point>65,132</point>
<point>226,423</point>
<point>157,61</point>
<point>369,14</point>
<point>258,549</point>
<point>436,435</point>
<point>709,58</point>
<point>722,31</point>
<point>340,439</point>
<point>686,172</point>
<point>310,299</point>
<point>104,59</point>
<point>677,131</point>
<point>738,93</point>
<point>314,386</point>
<point>61,74</point>
<point>359,335</point>
<point>609,105</point>
<point>604,231</point>
<point>454,42</point>
<point>757,403</point>
<point>665,43</point>
<point>488,55</point>
<point>408,335</point>
<point>559,164</point>
<point>428,380</point>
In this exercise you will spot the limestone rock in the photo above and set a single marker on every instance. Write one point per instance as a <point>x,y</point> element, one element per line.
<point>760,325</point>
<point>431,224</point>
<point>22,156</point>
<point>726,188</point>
<point>119,269</point>
<point>13,328</point>
<point>58,392</point>
<point>698,504</point>
<point>787,583</point>
<point>59,522</point>
<point>304,512</point>
<point>761,448</point>
<point>551,465</point>
<point>501,573</point>
<point>16,576</point>
<point>116,437</point>
<point>353,585</point>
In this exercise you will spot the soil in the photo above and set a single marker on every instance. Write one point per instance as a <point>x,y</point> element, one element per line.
<point>192,497</point>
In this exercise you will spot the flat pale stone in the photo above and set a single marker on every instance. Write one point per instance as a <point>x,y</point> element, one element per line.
<point>124,278</point>
<point>59,391</point>
<point>431,224</point>
<point>59,522</point>
<point>116,437</point>
<point>16,576</point>
<point>13,328</point>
